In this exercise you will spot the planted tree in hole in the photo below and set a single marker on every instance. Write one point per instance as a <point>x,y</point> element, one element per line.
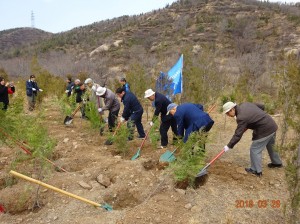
<point>121,139</point>
<point>67,104</point>
<point>190,159</point>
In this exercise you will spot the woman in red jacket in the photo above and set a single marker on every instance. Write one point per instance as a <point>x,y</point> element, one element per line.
<point>5,89</point>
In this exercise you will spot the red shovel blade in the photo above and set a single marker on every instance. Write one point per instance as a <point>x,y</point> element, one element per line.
<point>2,209</point>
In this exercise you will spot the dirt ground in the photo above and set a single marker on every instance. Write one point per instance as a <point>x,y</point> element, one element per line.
<point>139,191</point>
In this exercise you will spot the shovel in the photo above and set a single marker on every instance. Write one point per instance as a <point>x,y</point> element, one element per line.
<point>68,120</point>
<point>105,206</point>
<point>109,141</point>
<point>137,154</point>
<point>204,169</point>
<point>26,150</point>
<point>168,156</point>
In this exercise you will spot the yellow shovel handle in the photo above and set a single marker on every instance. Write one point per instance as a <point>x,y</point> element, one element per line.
<point>14,173</point>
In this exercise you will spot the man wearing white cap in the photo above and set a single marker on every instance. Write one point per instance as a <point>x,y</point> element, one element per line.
<point>252,116</point>
<point>112,104</point>
<point>161,103</point>
<point>190,118</point>
<point>93,97</point>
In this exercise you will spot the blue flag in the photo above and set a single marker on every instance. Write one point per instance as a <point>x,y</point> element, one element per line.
<point>175,74</point>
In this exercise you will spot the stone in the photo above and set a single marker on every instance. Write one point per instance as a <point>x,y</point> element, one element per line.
<point>103,180</point>
<point>85,185</point>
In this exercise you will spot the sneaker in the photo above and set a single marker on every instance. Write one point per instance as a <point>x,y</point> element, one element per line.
<point>249,170</point>
<point>140,137</point>
<point>272,165</point>
<point>161,147</point>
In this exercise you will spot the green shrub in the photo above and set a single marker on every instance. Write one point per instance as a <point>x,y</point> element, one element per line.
<point>191,158</point>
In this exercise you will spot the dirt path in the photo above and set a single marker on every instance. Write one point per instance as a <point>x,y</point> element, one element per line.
<point>138,191</point>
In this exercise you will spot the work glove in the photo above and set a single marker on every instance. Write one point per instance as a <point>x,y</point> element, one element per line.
<point>100,110</point>
<point>151,123</point>
<point>40,90</point>
<point>67,91</point>
<point>122,119</point>
<point>106,120</point>
<point>226,148</point>
<point>33,89</point>
<point>84,101</point>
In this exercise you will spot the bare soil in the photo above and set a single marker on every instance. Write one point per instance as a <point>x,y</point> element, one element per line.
<point>140,191</point>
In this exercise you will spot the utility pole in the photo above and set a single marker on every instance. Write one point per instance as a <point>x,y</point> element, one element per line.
<point>32,19</point>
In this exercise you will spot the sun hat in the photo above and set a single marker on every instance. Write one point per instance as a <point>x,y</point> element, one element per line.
<point>88,80</point>
<point>100,91</point>
<point>149,92</point>
<point>170,107</point>
<point>228,106</point>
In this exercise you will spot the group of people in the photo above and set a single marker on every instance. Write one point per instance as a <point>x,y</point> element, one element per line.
<point>6,88</point>
<point>187,118</point>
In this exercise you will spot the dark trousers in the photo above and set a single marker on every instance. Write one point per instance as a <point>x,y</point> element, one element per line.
<point>163,129</point>
<point>136,120</point>
<point>112,117</point>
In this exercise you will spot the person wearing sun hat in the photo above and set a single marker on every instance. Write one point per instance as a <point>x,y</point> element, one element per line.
<point>252,116</point>
<point>190,118</point>
<point>111,103</point>
<point>161,103</point>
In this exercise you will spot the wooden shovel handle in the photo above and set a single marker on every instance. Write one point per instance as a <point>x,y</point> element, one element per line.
<point>76,110</point>
<point>14,173</point>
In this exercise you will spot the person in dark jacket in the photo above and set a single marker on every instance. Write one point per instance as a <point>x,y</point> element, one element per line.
<point>161,103</point>
<point>5,89</point>
<point>31,91</point>
<point>190,118</point>
<point>70,86</point>
<point>252,116</point>
<point>79,89</point>
<point>112,104</point>
<point>125,84</point>
<point>132,112</point>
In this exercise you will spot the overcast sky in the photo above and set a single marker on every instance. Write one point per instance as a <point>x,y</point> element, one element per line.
<point>62,15</point>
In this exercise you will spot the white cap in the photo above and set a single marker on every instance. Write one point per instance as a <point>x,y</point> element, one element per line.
<point>228,106</point>
<point>149,92</point>
<point>100,91</point>
<point>170,107</point>
<point>88,80</point>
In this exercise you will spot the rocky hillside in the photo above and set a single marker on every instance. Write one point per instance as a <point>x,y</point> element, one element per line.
<point>21,37</point>
<point>229,28</point>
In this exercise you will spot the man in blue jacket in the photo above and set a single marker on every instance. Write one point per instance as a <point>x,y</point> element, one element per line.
<point>132,112</point>
<point>161,103</point>
<point>31,91</point>
<point>190,118</point>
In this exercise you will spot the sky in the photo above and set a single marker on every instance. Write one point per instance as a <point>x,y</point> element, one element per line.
<point>61,15</point>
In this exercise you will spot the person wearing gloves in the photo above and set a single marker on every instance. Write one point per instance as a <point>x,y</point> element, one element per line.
<point>132,112</point>
<point>252,116</point>
<point>161,103</point>
<point>70,86</point>
<point>111,103</point>
<point>5,89</point>
<point>31,91</point>
<point>190,118</point>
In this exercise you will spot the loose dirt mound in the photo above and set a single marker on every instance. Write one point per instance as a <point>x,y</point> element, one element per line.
<point>140,191</point>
